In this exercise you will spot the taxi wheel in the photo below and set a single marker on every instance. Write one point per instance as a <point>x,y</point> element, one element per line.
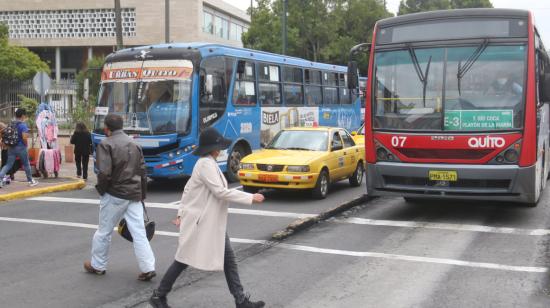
<point>357,177</point>
<point>250,189</point>
<point>321,187</point>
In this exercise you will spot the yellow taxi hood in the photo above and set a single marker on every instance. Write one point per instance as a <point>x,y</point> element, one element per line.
<point>282,157</point>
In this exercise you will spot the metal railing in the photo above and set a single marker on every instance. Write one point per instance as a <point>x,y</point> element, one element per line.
<point>62,97</point>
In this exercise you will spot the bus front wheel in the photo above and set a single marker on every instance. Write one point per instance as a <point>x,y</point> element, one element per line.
<point>233,163</point>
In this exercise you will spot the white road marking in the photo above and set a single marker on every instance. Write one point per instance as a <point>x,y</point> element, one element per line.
<point>443,226</point>
<point>367,254</point>
<point>351,220</point>
<point>174,206</point>
<point>495,266</point>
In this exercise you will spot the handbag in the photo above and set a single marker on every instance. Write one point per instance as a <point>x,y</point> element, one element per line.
<point>149,227</point>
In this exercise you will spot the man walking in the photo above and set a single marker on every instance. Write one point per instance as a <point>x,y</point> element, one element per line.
<point>122,184</point>
<point>19,149</point>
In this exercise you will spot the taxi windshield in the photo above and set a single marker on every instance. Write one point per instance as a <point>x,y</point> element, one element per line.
<point>306,140</point>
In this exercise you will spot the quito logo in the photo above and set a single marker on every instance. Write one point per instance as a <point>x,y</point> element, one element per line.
<point>486,142</point>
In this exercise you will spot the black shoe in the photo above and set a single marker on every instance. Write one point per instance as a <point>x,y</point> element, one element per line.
<point>158,301</point>
<point>248,304</point>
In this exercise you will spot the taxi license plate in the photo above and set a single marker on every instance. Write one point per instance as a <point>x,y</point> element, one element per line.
<point>268,178</point>
<point>450,176</point>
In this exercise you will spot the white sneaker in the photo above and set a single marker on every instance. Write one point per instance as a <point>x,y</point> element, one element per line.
<point>33,183</point>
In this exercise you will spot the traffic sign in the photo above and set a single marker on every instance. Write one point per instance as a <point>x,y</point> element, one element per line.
<point>41,83</point>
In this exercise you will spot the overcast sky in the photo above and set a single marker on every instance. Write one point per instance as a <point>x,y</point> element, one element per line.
<point>541,9</point>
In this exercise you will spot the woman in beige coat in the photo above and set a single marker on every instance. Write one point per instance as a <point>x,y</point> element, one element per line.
<point>202,219</point>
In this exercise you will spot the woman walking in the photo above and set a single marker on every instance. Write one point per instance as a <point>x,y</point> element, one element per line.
<point>82,140</point>
<point>202,219</point>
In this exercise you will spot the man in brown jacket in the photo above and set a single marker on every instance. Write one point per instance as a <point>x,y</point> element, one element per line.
<point>122,184</point>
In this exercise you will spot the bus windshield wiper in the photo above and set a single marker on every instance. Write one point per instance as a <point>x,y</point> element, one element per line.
<point>463,69</point>
<point>422,75</point>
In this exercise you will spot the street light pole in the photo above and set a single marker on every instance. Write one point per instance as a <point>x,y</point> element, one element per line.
<point>118,17</point>
<point>285,9</point>
<point>167,21</point>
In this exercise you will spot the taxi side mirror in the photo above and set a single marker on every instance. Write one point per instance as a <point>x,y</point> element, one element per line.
<point>336,148</point>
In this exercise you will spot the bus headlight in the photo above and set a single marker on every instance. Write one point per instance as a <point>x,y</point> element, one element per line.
<point>171,155</point>
<point>298,168</point>
<point>381,154</point>
<point>247,166</point>
<point>511,155</point>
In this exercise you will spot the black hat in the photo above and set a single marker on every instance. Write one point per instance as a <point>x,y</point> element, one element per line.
<point>211,140</point>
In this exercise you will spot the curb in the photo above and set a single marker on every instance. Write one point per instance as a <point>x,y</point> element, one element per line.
<point>45,190</point>
<point>305,223</point>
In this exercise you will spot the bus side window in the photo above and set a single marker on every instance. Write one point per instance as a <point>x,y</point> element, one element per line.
<point>244,92</point>
<point>213,90</point>
<point>293,86</point>
<point>330,88</point>
<point>269,85</point>
<point>314,91</point>
<point>345,98</point>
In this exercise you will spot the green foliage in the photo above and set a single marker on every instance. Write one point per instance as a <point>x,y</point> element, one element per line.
<point>93,73</point>
<point>415,6</point>
<point>317,30</point>
<point>17,63</point>
<point>30,105</point>
<point>82,112</point>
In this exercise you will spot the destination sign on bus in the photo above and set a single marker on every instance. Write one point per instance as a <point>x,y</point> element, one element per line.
<point>479,119</point>
<point>148,70</point>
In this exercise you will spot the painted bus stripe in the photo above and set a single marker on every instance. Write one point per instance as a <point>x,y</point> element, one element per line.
<point>311,249</point>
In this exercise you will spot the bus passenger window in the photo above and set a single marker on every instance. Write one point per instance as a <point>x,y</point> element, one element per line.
<point>293,87</point>
<point>244,92</point>
<point>314,91</point>
<point>269,86</point>
<point>213,96</point>
<point>330,90</point>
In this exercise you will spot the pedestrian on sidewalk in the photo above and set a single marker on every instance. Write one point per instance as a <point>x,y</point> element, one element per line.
<point>20,149</point>
<point>82,140</point>
<point>4,157</point>
<point>202,219</point>
<point>122,184</point>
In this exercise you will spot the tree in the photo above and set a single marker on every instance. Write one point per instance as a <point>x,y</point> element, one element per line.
<point>17,63</point>
<point>93,73</point>
<point>463,4</point>
<point>415,6</point>
<point>317,30</point>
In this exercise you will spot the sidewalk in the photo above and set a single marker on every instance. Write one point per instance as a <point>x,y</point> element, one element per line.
<point>67,180</point>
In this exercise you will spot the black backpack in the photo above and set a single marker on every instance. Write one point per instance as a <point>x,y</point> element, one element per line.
<point>10,135</point>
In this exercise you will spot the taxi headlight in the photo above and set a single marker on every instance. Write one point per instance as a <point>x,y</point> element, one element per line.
<point>298,168</point>
<point>247,166</point>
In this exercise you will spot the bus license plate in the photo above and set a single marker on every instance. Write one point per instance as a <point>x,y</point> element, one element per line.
<point>450,176</point>
<point>268,178</point>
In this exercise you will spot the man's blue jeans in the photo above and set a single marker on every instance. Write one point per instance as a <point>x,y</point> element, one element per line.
<point>14,152</point>
<point>111,210</point>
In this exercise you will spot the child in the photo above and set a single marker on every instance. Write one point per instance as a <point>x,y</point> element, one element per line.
<point>82,140</point>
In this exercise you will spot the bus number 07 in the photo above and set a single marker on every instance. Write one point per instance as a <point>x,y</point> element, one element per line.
<point>398,141</point>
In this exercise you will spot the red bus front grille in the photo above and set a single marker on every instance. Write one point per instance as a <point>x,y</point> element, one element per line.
<point>445,153</point>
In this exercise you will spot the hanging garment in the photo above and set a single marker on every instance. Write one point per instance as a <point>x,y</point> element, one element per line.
<point>49,161</point>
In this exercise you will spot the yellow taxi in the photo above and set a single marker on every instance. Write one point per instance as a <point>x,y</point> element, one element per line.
<point>359,135</point>
<point>305,158</point>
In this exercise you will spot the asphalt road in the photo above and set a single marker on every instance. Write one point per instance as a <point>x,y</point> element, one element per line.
<point>45,240</point>
<point>385,253</point>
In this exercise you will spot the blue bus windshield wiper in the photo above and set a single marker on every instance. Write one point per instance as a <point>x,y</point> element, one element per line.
<point>422,75</point>
<point>463,69</point>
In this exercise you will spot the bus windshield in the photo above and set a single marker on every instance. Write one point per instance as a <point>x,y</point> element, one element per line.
<point>155,100</point>
<point>470,88</point>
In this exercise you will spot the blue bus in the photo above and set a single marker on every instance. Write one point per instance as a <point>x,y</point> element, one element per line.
<point>168,93</point>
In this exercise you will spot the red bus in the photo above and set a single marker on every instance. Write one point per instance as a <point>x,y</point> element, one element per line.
<point>457,106</point>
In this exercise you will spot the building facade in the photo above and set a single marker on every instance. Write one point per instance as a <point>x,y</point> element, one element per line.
<point>66,33</point>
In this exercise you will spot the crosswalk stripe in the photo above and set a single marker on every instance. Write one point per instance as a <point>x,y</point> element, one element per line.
<point>350,220</point>
<point>311,249</point>
<point>173,206</point>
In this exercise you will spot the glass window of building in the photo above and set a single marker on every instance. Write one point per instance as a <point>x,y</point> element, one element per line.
<point>208,25</point>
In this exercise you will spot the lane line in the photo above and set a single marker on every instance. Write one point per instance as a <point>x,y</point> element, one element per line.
<point>443,226</point>
<point>350,220</point>
<point>364,254</point>
<point>175,207</point>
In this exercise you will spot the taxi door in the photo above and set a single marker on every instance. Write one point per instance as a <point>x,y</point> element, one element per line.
<point>351,153</point>
<point>337,158</point>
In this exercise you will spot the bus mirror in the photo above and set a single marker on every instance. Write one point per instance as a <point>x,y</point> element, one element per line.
<point>353,76</point>
<point>545,88</point>
<point>241,67</point>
